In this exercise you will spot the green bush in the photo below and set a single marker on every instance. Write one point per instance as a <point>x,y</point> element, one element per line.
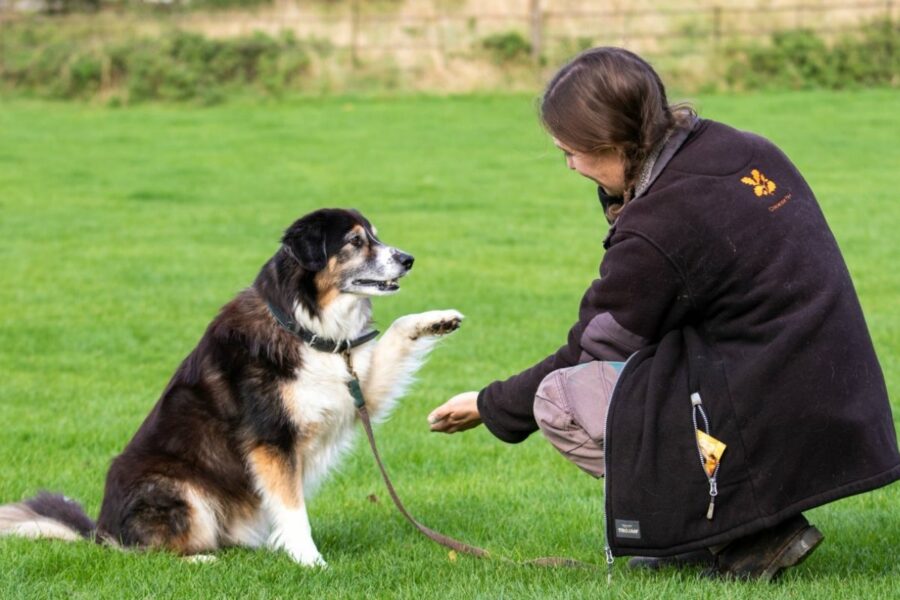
<point>71,6</point>
<point>223,4</point>
<point>800,59</point>
<point>873,58</point>
<point>177,66</point>
<point>507,47</point>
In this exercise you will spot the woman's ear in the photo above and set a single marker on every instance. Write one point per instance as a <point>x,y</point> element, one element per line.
<point>306,241</point>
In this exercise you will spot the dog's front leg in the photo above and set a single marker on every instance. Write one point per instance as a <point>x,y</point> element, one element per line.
<point>280,486</point>
<point>399,354</point>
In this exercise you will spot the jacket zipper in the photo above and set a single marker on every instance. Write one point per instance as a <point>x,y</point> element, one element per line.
<point>697,407</point>
<point>610,559</point>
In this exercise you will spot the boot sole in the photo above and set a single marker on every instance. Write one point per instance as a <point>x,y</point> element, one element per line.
<point>795,552</point>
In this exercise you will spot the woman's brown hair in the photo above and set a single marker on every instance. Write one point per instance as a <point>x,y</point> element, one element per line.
<point>609,98</point>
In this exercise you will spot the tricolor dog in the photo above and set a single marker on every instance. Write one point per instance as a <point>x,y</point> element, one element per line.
<point>258,413</point>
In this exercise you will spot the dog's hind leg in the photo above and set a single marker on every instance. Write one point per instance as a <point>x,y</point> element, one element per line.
<point>279,483</point>
<point>171,515</point>
<point>399,354</point>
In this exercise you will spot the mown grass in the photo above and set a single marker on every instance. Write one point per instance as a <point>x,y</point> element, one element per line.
<point>123,231</point>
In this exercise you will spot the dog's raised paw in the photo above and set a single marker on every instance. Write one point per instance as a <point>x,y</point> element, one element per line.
<point>437,323</point>
<point>444,327</point>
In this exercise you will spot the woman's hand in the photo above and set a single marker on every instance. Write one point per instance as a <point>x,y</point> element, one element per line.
<point>456,414</point>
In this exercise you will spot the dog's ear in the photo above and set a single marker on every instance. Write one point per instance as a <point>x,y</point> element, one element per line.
<point>307,242</point>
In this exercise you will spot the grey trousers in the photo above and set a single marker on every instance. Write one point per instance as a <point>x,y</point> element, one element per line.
<point>570,408</point>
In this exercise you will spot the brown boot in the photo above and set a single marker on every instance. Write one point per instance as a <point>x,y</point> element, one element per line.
<point>765,554</point>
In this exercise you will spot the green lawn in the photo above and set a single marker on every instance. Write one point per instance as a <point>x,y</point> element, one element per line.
<point>122,231</point>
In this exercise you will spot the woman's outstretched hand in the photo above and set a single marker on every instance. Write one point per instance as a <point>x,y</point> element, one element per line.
<point>456,414</point>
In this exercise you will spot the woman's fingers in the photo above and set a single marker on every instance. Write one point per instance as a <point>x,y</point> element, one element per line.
<point>444,422</point>
<point>457,414</point>
<point>437,415</point>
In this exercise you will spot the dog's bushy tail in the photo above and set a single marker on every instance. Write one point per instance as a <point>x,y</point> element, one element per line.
<point>46,516</point>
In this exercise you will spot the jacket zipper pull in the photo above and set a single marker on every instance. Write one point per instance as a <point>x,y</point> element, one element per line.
<point>609,565</point>
<point>713,492</point>
<point>697,408</point>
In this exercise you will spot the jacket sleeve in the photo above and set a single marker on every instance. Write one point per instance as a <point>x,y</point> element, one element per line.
<point>639,295</point>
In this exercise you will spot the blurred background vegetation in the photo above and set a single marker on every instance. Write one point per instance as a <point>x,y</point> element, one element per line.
<point>128,51</point>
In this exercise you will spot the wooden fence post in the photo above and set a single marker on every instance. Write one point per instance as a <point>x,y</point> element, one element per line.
<point>537,33</point>
<point>354,33</point>
<point>437,28</point>
<point>717,26</point>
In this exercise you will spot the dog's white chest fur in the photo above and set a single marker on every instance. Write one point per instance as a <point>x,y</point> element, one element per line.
<point>323,410</point>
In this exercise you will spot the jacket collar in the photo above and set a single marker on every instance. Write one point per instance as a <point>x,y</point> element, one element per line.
<point>651,169</point>
<point>662,154</point>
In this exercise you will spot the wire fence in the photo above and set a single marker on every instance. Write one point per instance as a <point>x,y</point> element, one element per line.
<point>441,44</point>
<point>364,31</point>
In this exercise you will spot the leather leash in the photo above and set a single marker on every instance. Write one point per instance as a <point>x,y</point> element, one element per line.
<point>548,561</point>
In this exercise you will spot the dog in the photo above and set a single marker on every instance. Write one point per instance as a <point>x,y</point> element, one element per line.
<point>261,410</point>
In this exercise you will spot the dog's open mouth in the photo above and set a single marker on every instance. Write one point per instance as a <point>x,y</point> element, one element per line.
<point>385,285</point>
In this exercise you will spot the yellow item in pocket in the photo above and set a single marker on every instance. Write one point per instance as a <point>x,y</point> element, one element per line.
<point>711,449</point>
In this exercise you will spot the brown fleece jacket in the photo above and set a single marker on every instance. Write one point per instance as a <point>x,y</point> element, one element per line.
<point>728,279</point>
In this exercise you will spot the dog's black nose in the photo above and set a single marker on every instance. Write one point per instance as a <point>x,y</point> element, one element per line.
<point>406,260</point>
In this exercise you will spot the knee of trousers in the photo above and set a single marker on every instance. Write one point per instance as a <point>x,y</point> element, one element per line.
<point>555,414</point>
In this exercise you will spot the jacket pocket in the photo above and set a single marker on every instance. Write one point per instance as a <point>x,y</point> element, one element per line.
<point>654,480</point>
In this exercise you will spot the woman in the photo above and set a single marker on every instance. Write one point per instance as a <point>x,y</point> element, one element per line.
<point>751,390</point>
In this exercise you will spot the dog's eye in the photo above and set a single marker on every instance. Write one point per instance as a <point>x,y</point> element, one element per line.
<point>356,241</point>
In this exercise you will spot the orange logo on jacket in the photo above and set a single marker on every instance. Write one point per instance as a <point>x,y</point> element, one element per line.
<point>762,186</point>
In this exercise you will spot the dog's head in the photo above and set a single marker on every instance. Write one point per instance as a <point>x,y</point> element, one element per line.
<point>344,251</point>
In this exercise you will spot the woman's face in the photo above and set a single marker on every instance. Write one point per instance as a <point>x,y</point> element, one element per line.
<point>606,169</point>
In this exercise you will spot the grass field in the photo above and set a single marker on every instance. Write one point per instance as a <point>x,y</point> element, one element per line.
<point>123,231</point>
